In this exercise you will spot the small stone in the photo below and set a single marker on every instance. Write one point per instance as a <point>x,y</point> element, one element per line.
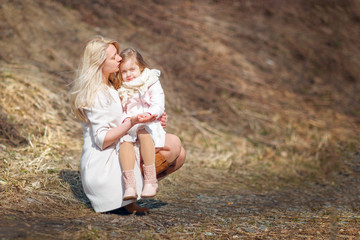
<point>31,200</point>
<point>35,184</point>
<point>263,228</point>
<point>115,220</point>
<point>250,230</point>
<point>270,62</point>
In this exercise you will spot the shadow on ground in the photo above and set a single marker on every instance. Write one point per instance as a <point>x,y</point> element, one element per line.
<point>73,178</point>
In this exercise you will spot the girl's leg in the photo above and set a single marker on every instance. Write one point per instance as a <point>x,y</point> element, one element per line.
<point>127,161</point>
<point>127,156</point>
<point>147,150</point>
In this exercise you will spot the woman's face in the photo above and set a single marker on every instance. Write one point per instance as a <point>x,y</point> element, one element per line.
<point>129,70</point>
<point>112,62</point>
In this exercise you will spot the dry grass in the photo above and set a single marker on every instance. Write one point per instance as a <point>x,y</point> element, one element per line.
<point>286,148</point>
<point>41,125</point>
<point>269,122</point>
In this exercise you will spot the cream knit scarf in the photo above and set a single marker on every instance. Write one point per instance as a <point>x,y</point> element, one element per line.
<point>139,85</point>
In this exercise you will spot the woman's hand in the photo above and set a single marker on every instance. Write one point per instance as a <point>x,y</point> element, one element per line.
<point>163,120</point>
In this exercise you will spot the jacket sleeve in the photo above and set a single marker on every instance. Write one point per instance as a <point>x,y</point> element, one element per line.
<point>99,121</point>
<point>157,99</point>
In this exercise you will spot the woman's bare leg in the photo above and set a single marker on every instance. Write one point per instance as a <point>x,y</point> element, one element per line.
<point>179,161</point>
<point>173,152</point>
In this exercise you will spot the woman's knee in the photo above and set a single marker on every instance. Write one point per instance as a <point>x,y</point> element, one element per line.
<point>181,158</point>
<point>172,148</point>
<point>177,163</point>
<point>173,142</point>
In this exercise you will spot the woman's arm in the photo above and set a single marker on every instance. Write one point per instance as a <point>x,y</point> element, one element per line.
<point>103,117</point>
<point>114,134</point>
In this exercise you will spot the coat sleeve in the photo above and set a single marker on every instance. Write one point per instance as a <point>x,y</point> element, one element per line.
<point>157,99</point>
<point>99,121</point>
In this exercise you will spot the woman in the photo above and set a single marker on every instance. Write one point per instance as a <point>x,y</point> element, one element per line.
<point>96,104</point>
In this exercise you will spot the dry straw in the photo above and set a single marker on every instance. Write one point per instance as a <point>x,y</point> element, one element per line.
<point>271,139</point>
<point>39,137</point>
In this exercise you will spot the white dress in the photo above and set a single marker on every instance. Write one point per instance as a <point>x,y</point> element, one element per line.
<point>101,172</point>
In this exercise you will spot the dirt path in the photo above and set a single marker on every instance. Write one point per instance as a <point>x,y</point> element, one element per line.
<point>187,211</point>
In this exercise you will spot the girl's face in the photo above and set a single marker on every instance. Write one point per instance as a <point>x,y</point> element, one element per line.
<point>112,62</point>
<point>129,70</point>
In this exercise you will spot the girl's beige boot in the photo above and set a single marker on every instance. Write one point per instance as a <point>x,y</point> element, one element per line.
<point>130,185</point>
<point>150,181</point>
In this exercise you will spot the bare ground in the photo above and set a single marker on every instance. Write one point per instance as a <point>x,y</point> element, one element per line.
<point>220,208</point>
<point>263,94</point>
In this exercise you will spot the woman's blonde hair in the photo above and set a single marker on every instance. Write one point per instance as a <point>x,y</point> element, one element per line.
<point>89,78</point>
<point>128,53</point>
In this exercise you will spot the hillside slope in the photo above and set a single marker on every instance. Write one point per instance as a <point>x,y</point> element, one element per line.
<point>237,75</point>
<point>264,93</point>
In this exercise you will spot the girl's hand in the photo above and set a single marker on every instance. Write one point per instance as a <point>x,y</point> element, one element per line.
<point>144,118</point>
<point>163,120</point>
<point>145,114</point>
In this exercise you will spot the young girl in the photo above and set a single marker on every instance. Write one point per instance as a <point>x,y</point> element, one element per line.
<point>140,93</point>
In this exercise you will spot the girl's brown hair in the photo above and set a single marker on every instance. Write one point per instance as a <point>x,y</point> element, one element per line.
<point>132,52</point>
<point>128,53</point>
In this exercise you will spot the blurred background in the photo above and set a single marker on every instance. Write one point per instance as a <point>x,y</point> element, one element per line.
<point>264,92</point>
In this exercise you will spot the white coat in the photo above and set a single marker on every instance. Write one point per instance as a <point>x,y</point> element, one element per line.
<point>101,172</point>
